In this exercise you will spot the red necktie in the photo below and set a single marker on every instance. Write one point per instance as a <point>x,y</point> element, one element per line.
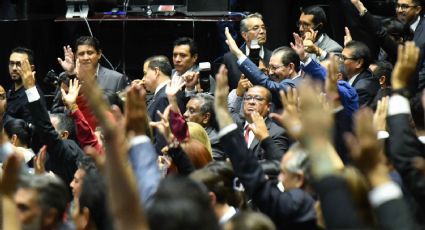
<point>246,134</point>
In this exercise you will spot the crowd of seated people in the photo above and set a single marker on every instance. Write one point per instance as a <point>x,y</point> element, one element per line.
<point>312,135</point>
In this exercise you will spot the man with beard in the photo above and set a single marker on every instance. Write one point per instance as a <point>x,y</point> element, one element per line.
<point>16,98</point>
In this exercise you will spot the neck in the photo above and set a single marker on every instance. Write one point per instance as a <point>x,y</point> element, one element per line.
<point>221,209</point>
<point>18,85</point>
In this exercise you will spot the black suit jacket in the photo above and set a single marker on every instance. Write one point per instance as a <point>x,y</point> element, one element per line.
<point>366,86</point>
<point>230,61</point>
<point>419,39</point>
<point>292,209</point>
<point>62,154</point>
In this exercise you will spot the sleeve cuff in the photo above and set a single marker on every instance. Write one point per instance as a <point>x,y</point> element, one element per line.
<point>227,130</point>
<point>323,55</point>
<point>307,61</point>
<point>398,105</point>
<point>383,135</point>
<point>139,140</point>
<point>384,193</point>
<point>242,59</point>
<point>32,94</point>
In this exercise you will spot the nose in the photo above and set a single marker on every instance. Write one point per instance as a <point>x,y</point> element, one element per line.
<point>186,114</point>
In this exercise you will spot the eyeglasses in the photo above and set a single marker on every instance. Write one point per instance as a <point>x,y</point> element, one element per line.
<point>17,63</point>
<point>303,25</point>
<point>404,7</point>
<point>257,28</point>
<point>342,58</point>
<point>255,98</point>
<point>274,68</point>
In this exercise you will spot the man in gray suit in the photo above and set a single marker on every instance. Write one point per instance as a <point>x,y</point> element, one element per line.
<point>311,23</point>
<point>88,53</point>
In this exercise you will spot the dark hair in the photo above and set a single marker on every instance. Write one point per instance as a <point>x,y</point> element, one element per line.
<point>24,50</point>
<point>93,197</point>
<point>418,2</point>
<point>161,62</point>
<point>65,123</point>
<point>268,93</point>
<point>319,15</point>
<point>288,56</point>
<point>207,106</point>
<point>20,128</point>
<point>219,178</point>
<point>397,29</point>
<point>86,163</point>
<point>193,48</point>
<point>52,192</point>
<point>384,68</point>
<point>181,203</point>
<point>88,40</point>
<point>360,51</point>
<point>248,220</point>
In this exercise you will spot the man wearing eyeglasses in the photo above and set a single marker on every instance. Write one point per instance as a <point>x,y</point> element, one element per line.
<point>410,12</point>
<point>317,43</point>
<point>253,30</point>
<point>16,105</point>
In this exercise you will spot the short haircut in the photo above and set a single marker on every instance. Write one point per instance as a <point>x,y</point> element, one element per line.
<point>65,123</point>
<point>93,197</point>
<point>27,51</point>
<point>193,48</point>
<point>298,162</point>
<point>161,62</point>
<point>288,55</point>
<point>219,178</point>
<point>319,15</point>
<point>249,220</point>
<point>52,192</point>
<point>20,128</point>
<point>207,106</point>
<point>86,163</point>
<point>418,2</point>
<point>88,40</point>
<point>384,68</point>
<point>268,93</point>
<point>360,51</point>
<point>243,27</point>
<point>181,203</point>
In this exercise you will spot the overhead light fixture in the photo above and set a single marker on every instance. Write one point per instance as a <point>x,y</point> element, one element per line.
<point>77,9</point>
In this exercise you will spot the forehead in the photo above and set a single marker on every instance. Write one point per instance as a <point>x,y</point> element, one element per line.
<point>260,91</point>
<point>79,173</point>
<point>276,58</point>
<point>25,195</point>
<point>145,66</point>
<point>347,51</point>
<point>306,18</point>
<point>182,49</point>
<point>85,48</point>
<point>18,56</point>
<point>193,103</point>
<point>250,22</point>
<point>408,2</point>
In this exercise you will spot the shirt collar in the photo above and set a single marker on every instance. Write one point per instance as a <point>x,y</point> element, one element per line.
<point>160,86</point>
<point>261,51</point>
<point>320,39</point>
<point>415,24</point>
<point>191,69</point>
<point>351,81</point>
<point>230,212</point>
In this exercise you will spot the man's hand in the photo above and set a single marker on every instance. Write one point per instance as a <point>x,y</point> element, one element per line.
<point>308,42</point>
<point>289,118</point>
<point>40,160</point>
<point>163,126</point>
<point>220,103</point>
<point>67,64</point>
<point>243,85</point>
<point>233,47</point>
<point>258,126</point>
<point>299,47</point>
<point>347,36</point>
<point>27,75</point>
<point>407,59</point>
<point>136,120</point>
<point>191,79</point>
<point>380,116</point>
<point>10,176</point>
<point>70,98</point>
<point>331,83</point>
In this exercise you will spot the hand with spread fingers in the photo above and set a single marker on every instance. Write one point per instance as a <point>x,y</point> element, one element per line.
<point>258,126</point>
<point>233,47</point>
<point>163,126</point>
<point>290,117</point>
<point>405,67</point>
<point>172,88</point>
<point>298,46</point>
<point>67,64</point>
<point>27,75</point>
<point>365,148</point>
<point>70,98</point>
<point>380,116</point>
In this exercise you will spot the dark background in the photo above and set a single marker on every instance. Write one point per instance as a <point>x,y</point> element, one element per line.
<point>31,23</point>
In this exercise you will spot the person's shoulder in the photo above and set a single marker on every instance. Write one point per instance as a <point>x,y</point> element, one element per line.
<point>109,72</point>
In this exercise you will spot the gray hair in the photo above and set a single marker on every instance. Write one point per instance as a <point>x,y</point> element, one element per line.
<point>242,25</point>
<point>299,161</point>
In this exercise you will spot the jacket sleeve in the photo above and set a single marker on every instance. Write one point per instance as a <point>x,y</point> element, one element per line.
<point>85,134</point>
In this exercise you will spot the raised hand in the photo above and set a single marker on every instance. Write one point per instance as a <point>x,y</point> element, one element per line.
<point>136,120</point>
<point>10,176</point>
<point>243,85</point>
<point>347,36</point>
<point>163,126</point>
<point>233,47</point>
<point>258,126</point>
<point>40,160</point>
<point>380,116</point>
<point>220,103</point>
<point>27,75</point>
<point>308,41</point>
<point>70,98</point>
<point>174,86</point>
<point>191,79</point>
<point>67,63</point>
<point>290,117</point>
<point>331,82</point>
<point>407,59</point>
<point>299,46</point>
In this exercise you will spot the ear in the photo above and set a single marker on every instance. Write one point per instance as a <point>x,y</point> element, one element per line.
<point>50,217</point>
<point>300,180</point>
<point>213,198</point>
<point>14,139</point>
<point>65,134</point>
<point>382,80</point>
<point>292,67</point>
<point>32,67</point>
<point>195,57</point>
<point>360,63</point>
<point>206,118</point>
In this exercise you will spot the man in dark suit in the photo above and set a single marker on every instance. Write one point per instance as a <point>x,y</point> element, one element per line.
<point>156,75</point>
<point>356,58</point>
<point>313,19</point>
<point>252,29</point>
<point>291,209</point>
